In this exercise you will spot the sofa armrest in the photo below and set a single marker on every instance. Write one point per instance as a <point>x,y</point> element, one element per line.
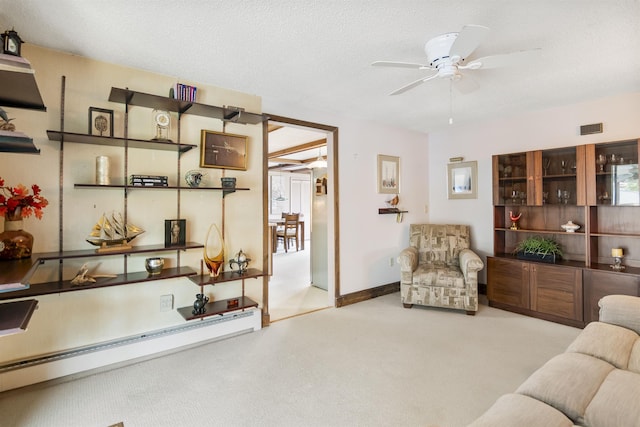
<point>470,264</point>
<point>408,259</point>
<point>621,310</point>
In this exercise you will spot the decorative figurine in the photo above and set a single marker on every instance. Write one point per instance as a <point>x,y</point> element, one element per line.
<point>514,220</point>
<point>199,304</point>
<point>194,178</point>
<point>241,261</point>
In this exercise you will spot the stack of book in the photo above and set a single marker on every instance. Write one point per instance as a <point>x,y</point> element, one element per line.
<point>148,181</point>
<point>185,92</point>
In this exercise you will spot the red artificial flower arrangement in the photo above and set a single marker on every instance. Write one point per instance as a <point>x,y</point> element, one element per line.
<point>16,202</point>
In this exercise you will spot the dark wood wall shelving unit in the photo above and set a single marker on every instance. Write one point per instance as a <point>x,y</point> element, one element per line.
<point>549,188</point>
<point>24,269</point>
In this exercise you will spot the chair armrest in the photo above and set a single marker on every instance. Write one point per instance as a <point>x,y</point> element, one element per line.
<point>621,310</point>
<point>470,264</point>
<point>408,259</point>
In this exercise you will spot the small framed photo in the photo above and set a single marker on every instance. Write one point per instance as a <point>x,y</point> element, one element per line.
<point>175,232</point>
<point>388,174</point>
<point>223,150</point>
<point>462,182</point>
<point>100,122</point>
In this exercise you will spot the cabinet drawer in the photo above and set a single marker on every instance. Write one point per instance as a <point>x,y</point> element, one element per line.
<point>557,291</point>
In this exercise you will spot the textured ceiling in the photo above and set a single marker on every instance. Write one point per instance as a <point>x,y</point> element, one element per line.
<point>317,54</point>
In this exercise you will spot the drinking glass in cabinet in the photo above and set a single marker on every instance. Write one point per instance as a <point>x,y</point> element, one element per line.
<point>546,163</point>
<point>601,161</point>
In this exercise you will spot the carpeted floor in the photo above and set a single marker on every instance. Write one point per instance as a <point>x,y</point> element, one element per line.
<point>290,289</point>
<point>374,363</point>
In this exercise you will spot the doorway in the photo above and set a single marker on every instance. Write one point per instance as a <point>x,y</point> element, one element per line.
<point>305,280</point>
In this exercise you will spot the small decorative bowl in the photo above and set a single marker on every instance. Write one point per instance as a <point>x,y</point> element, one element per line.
<point>570,227</point>
<point>154,265</point>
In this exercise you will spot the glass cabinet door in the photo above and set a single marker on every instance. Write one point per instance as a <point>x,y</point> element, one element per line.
<point>510,173</point>
<point>559,176</point>
<point>616,176</point>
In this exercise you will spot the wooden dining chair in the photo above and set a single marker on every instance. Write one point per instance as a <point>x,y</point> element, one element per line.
<point>289,230</point>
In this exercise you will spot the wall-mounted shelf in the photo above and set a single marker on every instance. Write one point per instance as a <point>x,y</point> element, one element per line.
<point>389,211</point>
<point>18,273</point>
<point>224,306</point>
<point>15,316</point>
<point>18,89</point>
<point>130,97</point>
<point>82,138</point>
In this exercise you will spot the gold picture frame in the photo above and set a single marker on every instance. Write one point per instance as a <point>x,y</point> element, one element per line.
<point>388,174</point>
<point>223,150</point>
<point>462,180</point>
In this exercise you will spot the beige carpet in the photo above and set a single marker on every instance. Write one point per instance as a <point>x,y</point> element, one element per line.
<point>373,363</point>
<point>290,289</point>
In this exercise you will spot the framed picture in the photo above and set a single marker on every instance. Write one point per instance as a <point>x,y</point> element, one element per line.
<point>388,174</point>
<point>175,232</point>
<point>100,122</point>
<point>223,150</point>
<point>462,182</point>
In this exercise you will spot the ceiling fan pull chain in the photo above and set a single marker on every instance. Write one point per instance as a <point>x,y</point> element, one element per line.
<point>451,101</point>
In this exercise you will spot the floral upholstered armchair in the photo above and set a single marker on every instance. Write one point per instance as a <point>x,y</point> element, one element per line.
<point>438,269</point>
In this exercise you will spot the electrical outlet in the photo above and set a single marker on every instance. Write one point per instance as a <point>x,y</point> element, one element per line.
<point>166,302</point>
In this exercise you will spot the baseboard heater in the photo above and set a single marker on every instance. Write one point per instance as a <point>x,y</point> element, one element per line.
<point>219,327</point>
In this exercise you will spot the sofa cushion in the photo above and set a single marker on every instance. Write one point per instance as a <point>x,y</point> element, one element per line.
<point>610,343</point>
<point>634,359</point>
<point>567,382</point>
<point>617,402</point>
<point>519,410</point>
<point>621,310</point>
<point>438,275</point>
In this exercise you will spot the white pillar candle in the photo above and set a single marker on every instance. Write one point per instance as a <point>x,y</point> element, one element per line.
<point>102,170</point>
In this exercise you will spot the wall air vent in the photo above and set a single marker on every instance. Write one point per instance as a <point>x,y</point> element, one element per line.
<point>591,129</point>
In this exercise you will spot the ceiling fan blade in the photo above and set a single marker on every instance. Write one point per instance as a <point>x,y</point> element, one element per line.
<point>466,84</point>
<point>400,65</point>
<point>495,61</point>
<point>468,40</point>
<point>413,84</point>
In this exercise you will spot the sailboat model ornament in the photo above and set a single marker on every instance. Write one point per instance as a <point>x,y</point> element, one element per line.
<point>111,233</point>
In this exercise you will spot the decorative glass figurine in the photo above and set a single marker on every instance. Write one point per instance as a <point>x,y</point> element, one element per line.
<point>213,252</point>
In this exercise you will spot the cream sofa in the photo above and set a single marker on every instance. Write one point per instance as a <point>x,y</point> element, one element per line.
<point>595,382</point>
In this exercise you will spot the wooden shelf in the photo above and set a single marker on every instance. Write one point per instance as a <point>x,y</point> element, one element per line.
<point>524,230</point>
<point>390,211</point>
<point>16,142</point>
<point>15,316</point>
<point>82,138</point>
<point>20,90</point>
<point>101,282</point>
<point>226,276</point>
<point>129,97</point>
<point>151,187</point>
<point>218,308</point>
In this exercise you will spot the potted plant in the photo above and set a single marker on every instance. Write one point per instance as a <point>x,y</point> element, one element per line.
<point>536,248</point>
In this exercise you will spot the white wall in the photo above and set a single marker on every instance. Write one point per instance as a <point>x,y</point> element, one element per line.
<point>368,240</point>
<point>554,127</point>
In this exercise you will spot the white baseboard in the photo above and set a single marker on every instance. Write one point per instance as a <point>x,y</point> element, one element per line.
<point>131,349</point>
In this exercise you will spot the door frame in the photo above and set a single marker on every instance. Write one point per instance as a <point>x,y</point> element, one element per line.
<point>333,178</point>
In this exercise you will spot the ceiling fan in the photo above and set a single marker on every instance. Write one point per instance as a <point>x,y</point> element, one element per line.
<point>449,56</point>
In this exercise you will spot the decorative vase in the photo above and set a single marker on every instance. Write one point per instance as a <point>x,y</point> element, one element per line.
<point>15,243</point>
<point>213,252</point>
